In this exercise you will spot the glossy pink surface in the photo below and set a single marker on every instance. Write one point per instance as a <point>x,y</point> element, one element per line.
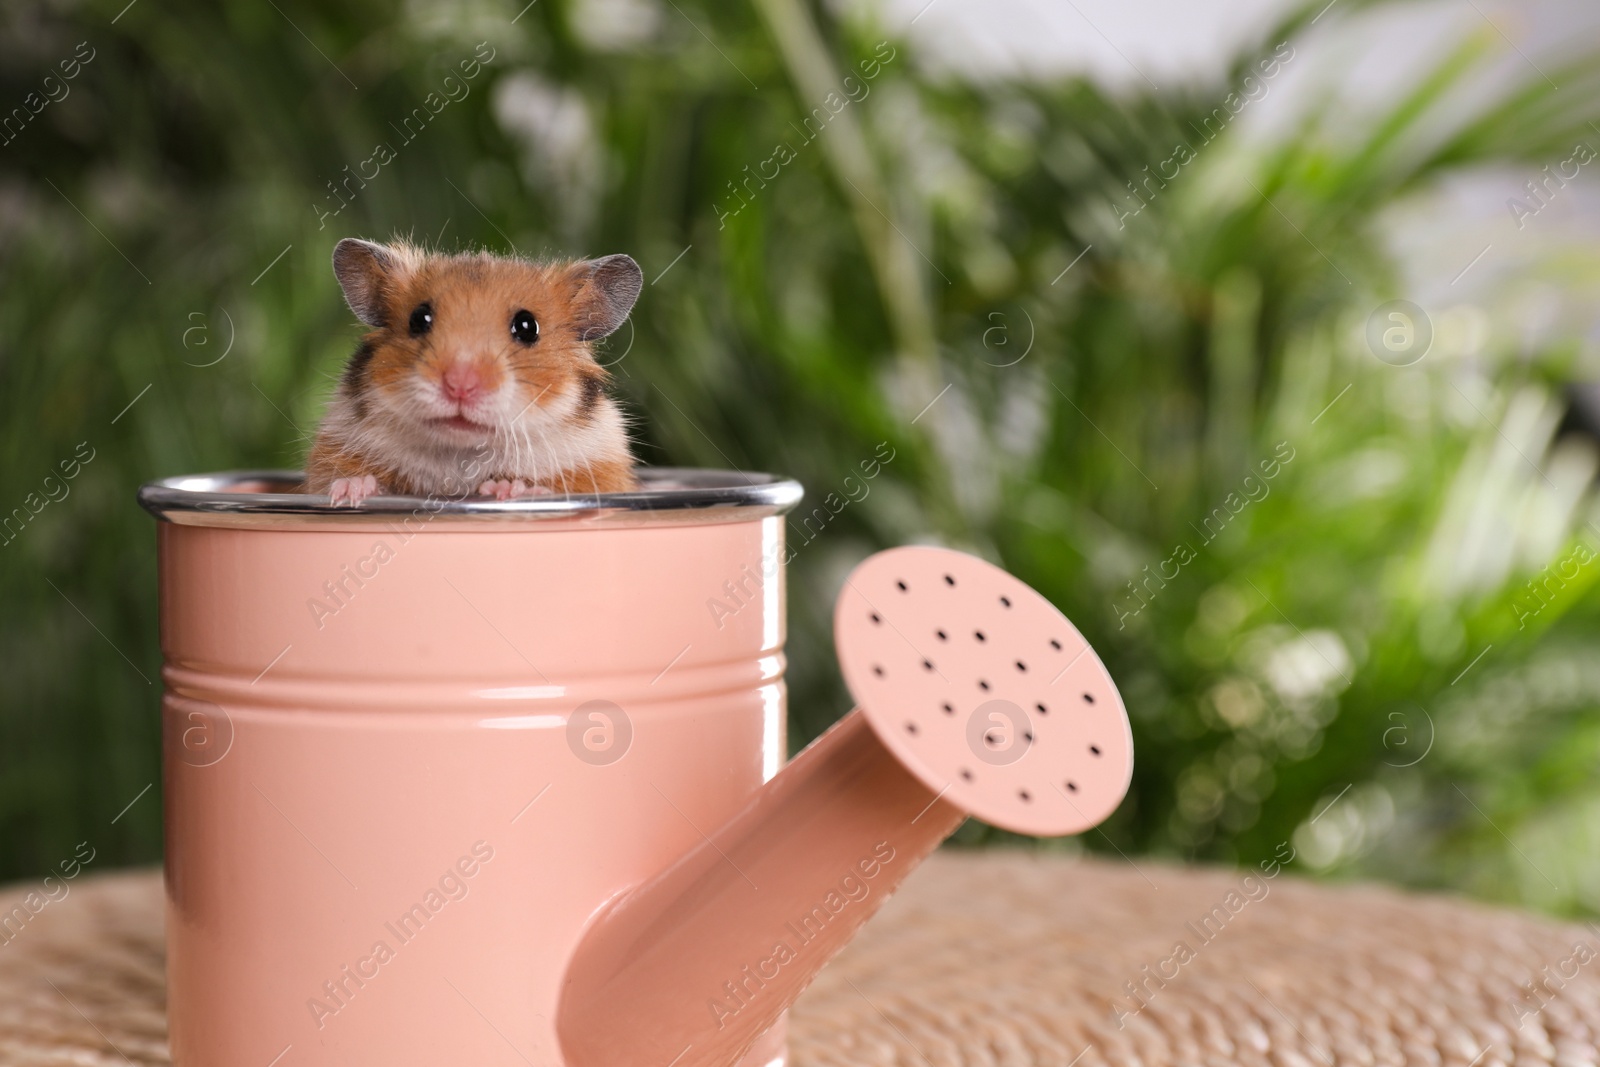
<point>389,814</point>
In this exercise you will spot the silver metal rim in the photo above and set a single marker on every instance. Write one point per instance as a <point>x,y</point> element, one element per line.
<point>667,495</point>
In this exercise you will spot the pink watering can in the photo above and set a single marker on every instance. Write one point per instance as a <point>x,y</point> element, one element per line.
<point>465,781</point>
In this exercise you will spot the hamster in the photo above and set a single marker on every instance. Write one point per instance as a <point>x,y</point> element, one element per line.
<point>477,375</point>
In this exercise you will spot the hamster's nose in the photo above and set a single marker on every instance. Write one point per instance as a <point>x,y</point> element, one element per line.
<point>463,382</point>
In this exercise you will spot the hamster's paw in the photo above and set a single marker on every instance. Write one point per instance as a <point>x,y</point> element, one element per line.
<point>504,488</point>
<point>352,490</point>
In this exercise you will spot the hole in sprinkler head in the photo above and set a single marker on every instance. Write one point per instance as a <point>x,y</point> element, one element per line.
<point>1027,735</point>
<point>983,685</point>
<point>966,774</point>
<point>942,635</point>
<point>1094,749</point>
<point>1041,709</point>
<point>1072,787</point>
<point>1025,795</point>
<point>949,580</point>
<point>876,618</point>
<point>911,728</point>
<point>1005,602</point>
<point>901,585</point>
<point>1021,666</point>
<point>949,709</point>
<point>927,664</point>
<point>1088,698</point>
<point>979,635</point>
<point>1055,644</point>
<point>876,669</point>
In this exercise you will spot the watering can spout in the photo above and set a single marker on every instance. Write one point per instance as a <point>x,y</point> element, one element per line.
<point>977,697</point>
<point>701,961</point>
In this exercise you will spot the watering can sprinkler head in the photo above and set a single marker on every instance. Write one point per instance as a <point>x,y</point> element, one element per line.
<point>975,697</point>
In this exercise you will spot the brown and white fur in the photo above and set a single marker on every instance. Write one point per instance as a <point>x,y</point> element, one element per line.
<point>448,395</point>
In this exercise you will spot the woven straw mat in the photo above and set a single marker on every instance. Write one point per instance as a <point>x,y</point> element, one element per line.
<point>1006,959</point>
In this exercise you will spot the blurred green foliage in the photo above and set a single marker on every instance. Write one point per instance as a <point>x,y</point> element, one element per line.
<point>1350,664</point>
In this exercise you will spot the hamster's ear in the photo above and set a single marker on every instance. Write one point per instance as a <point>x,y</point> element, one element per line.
<point>362,268</point>
<point>609,286</point>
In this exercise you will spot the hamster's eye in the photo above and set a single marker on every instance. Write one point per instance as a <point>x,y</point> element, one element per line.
<point>524,327</point>
<point>421,319</point>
